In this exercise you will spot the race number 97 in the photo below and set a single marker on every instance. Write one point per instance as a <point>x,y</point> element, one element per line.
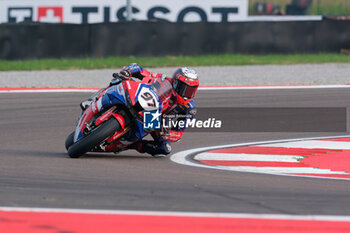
<point>148,100</point>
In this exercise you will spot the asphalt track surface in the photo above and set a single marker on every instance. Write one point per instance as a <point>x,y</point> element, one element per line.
<point>35,170</point>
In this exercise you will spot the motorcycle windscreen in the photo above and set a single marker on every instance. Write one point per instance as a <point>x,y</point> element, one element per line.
<point>162,88</point>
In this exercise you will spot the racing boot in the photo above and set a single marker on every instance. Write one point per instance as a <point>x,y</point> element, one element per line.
<point>156,149</point>
<point>85,104</point>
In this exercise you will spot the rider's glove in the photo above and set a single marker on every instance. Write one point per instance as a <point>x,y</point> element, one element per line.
<point>133,70</point>
<point>126,73</point>
<point>117,78</point>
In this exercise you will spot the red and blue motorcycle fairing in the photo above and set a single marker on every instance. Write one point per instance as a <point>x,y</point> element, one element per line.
<point>126,102</point>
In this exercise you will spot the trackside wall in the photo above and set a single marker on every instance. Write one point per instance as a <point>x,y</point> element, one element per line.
<point>141,38</point>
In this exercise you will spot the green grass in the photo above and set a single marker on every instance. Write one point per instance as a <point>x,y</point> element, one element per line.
<point>205,60</point>
<point>318,7</point>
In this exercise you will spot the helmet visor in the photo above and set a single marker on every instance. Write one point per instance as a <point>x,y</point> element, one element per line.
<point>184,90</point>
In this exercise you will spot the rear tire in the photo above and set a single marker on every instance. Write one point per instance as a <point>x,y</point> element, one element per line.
<point>94,138</point>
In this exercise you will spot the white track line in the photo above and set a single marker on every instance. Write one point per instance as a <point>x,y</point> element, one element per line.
<point>51,91</point>
<point>181,157</point>
<point>248,157</point>
<point>336,218</point>
<point>313,144</point>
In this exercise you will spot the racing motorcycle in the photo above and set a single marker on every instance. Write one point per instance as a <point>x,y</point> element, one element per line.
<point>118,122</point>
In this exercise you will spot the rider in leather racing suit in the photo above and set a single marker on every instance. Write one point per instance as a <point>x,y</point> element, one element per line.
<point>185,84</point>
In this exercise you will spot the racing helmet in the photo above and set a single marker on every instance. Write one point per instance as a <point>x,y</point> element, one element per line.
<point>185,84</point>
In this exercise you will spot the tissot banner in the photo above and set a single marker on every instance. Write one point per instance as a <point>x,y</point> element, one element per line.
<point>99,11</point>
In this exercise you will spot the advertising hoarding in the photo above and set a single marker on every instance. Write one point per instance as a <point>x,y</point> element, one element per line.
<point>104,11</point>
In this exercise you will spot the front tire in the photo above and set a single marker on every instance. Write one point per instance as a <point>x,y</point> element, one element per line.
<point>94,138</point>
<point>69,140</point>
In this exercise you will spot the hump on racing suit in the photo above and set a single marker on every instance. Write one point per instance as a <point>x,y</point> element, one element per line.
<point>136,71</point>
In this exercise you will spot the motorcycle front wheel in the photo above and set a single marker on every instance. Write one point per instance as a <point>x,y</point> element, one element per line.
<point>94,138</point>
<point>69,140</point>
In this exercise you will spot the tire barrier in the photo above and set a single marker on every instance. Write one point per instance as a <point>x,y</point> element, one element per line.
<point>35,40</point>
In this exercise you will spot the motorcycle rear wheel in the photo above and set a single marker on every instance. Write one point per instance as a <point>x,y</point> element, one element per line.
<point>94,138</point>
